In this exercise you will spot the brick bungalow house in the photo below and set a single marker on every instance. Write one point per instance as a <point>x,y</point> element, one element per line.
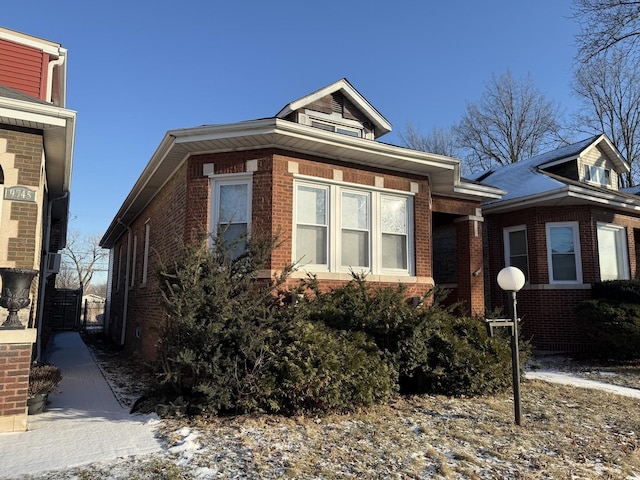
<point>314,173</point>
<point>565,223</point>
<point>36,151</point>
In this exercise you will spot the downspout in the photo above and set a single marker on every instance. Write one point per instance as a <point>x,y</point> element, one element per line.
<point>55,63</point>
<point>43,279</point>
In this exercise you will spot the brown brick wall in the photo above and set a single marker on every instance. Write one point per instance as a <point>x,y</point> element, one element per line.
<point>547,310</point>
<point>15,361</point>
<point>181,210</point>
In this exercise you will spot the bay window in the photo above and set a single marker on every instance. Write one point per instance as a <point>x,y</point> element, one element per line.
<point>340,227</point>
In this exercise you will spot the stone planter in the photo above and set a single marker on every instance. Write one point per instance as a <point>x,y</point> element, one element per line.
<point>16,286</point>
<point>37,403</point>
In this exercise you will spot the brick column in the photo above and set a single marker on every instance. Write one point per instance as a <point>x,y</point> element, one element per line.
<point>15,363</point>
<point>469,268</point>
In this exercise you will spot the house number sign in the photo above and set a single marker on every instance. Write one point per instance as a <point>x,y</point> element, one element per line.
<point>20,194</point>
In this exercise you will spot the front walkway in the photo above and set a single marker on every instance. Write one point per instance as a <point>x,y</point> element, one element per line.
<point>83,423</point>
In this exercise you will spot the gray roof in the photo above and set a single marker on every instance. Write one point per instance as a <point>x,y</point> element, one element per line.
<point>9,92</point>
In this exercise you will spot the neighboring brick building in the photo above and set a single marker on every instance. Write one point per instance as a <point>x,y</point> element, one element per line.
<point>565,223</point>
<point>315,175</point>
<point>36,150</point>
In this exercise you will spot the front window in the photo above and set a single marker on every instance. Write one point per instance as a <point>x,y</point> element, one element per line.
<point>342,228</point>
<point>515,249</point>
<point>231,208</point>
<point>612,252</point>
<point>563,253</point>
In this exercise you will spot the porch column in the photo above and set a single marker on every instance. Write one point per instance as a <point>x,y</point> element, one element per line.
<point>470,261</point>
<point>15,364</point>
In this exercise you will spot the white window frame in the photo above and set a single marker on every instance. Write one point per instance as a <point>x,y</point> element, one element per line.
<point>576,251</point>
<point>145,258</point>
<point>335,121</point>
<point>334,233</point>
<point>507,246</point>
<point>602,175</point>
<point>621,247</point>
<point>216,181</point>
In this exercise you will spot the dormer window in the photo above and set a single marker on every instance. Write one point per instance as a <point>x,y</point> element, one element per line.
<point>598,175</point>
<point>333,122</point>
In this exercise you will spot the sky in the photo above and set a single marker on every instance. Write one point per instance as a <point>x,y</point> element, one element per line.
<point>139,68</point>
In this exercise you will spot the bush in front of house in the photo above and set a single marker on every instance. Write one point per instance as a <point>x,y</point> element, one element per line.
<point>433,350</point>
<point>627,291</point>
<point>233,343</point>
<point>613,326</point>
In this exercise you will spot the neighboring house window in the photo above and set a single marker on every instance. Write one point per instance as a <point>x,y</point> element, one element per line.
<point>515,249</point>
<point>612,252</point>
<point>231,209</point>
<point>563,253</point>
<point>339,228</point>
<point>599,175</point>
<point>145,254</point>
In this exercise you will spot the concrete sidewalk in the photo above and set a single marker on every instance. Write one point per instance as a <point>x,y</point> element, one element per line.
<point>83,423</point>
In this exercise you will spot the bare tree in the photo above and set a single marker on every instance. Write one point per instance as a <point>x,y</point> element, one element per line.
<point>80,259</point>
<point>605,24</point>
<point>511,122</point>
<point>609,87</point>
<point>439,141</point>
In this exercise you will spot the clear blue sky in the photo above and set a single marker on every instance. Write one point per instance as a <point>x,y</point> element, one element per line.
<point>138,68</point>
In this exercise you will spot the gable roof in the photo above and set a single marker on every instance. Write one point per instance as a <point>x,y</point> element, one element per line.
<point>528,184</point>
<point>381,125</point>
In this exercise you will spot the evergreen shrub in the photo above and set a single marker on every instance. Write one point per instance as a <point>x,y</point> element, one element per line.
<point>614,327</point>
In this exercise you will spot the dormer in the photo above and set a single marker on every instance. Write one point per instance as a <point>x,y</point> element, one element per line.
<point>595,161</point>
<point>337,108</point>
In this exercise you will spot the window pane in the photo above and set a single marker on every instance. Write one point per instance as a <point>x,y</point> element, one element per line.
<point>561,239</point>
<point>355,211</point>
<point>522,263</point>
<point>233,204</point>
<point>611,246</point>
<point>311,245</point>
<point>394,215</point>
<point>563,258</point>
<point>518,242</point>
<point>564,267</point>
<point>312,205</point>
<point>235,237</point>
<point>394,251</point>
<point>355,248</point>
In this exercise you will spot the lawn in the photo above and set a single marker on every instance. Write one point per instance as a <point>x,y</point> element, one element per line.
<point>566,433</point>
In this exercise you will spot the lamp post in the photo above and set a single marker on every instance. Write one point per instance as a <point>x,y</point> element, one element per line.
<point>511,279</point>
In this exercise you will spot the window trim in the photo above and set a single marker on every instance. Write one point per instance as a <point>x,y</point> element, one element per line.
<point>334,227</point>
<point>606,175</point>
<point>621,244</point>
<point>575,226</point>
<point>507,246</point>
<point>215,181</point>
